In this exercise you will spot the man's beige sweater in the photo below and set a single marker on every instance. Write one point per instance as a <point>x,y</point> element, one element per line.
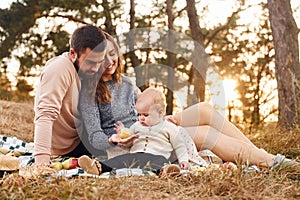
<point>56,115</point>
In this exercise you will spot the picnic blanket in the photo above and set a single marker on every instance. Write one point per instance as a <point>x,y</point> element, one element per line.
<point>14,146</point>
<point>20,153</point>
<point>17,152</point>
<point>113,174</point>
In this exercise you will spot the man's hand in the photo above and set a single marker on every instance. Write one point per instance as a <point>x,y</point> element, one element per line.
<point>42,159</point>
<point>36,170</point>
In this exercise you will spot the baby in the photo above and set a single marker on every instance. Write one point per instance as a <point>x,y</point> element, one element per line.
<point>153,142</point>
<point>156,135</point>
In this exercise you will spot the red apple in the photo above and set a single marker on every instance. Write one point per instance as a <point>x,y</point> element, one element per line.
<point>229,166</point>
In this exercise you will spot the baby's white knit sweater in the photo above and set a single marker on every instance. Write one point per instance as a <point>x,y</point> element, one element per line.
<point>160,139</point>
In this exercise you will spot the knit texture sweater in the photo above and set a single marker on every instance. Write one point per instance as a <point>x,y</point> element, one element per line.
<point>99,119</point>
<point>56,116</point>
<point>160,139</point>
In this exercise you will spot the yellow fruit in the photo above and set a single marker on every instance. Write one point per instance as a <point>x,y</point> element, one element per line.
<point>199,170</point>
<point>57,165</point>
<point>213,166</point>
<point>124,133</point>
<point>70,163</point>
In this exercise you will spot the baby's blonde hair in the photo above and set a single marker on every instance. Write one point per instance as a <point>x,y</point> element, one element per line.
<point>154,97</point>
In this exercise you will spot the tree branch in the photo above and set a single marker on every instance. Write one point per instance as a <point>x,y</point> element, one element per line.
<point>69,17</point>
<point>179,12</point>
<point>230,18</point>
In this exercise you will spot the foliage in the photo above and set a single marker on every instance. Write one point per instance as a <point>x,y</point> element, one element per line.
<point>249,61</point>
<point>5,88</point>
<point>33,31</point>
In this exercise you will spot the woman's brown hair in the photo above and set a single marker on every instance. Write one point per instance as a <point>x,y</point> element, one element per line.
<point>103,94</point>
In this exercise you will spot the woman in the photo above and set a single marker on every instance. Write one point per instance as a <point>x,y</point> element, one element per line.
<point>115,101</point>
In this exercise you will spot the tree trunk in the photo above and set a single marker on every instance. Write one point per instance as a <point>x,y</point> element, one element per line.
<point>285,36</point>
<point>198,58</point>
<point>133,58</point>
<point>108,20</point>
<point>170,58</point>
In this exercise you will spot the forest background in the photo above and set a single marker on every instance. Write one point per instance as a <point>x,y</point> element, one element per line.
<point>222,51</point>
<point>251,48</point>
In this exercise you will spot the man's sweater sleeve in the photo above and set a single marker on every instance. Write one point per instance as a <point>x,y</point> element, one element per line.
<point>92,122</point>
<point>48,102</point>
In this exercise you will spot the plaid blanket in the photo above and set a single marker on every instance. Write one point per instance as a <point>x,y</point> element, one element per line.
<point>12,146</point>
<point>113,174</point>
<point>15,146</point>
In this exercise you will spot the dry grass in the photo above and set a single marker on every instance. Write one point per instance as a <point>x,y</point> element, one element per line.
<point>16,120</point>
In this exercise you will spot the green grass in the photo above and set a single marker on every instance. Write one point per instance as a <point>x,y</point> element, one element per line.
<point>16,120</point>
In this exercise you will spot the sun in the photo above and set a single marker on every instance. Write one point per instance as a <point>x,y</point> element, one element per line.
<point>229,86</point>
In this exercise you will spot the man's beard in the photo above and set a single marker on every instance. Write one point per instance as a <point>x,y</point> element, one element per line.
<point>80,73</point>
<point>83,75</point>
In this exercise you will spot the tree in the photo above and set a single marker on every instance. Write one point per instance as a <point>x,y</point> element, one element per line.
<point>285,35</point>
<point>131,54</point>
<point>23,88</point>
<point>256,72</point>
<point>5,88</point>
<point>200,63</point>
<point>109,27</point>
<point>20,29</point>
<point>171,57</point>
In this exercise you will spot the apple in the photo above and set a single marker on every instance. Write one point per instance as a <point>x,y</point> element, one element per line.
<point>229,166</point>
<point>70,163</point>
<point>57,165</point>
<point>124,133</point>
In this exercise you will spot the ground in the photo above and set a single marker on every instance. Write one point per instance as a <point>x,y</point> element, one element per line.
<point>16,119</point>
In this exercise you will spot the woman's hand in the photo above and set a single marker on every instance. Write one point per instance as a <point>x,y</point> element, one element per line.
<point>185,165</point>
<point>116,138</point>
<point>171,118</point>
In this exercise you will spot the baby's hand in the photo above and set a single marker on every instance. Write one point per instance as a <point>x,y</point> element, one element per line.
<point>118,126</point>
<point>171,118</point>
<point>185,165</point>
